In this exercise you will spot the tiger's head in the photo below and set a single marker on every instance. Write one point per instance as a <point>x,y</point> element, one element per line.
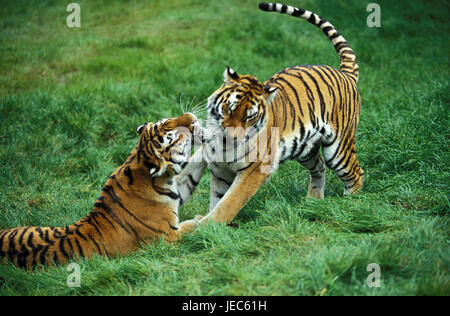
<point>165,146</point>
<point>240,103</point>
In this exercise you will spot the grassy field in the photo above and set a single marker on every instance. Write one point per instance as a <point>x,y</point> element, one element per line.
<point>71,99</point>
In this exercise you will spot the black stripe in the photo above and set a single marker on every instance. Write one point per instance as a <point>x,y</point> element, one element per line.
<point>24,252</point>
<point>165,192</point>
<point>41,233</point>
<point>302,147</point>
<point>221,179</point>
<point>351,171</point>
<point>102,205</point>
<point>173,227</point>
<point>340,45</point>
<point>30,241</point>
<point>327,29</point>
<point>217,97</point>
<point>127,172</point>
<point>321,21</point>
<point>294,147</point>
<point>340,149</point>
<point>80,234</point>
<point>62,249</point>
<point>34,249</point>
<point>343,98</point>
<point>113,177</point>
<point>219,195</point>
<point>57,234</point>
<point>2,236</point>
<point>95,243</point>
<point>55,257</point>
<point>21,235</point>
<point>309,93</point>
<point>12,252</point>
<point>193,182</point>
<point>46,238</point>
<point>321,72</point>
<point>264,6</point>
<point>107,219</point>
<point>91,221</point>
<point>297,12</point>
<point>110,191</point>
<point>35,252</point>
<point>345,165</point>
<point>136,235</point>
<point>22,257</point>
<point>293,90</point>
<point>246,167</point>
<point>69,242</point>
<point>43,256</point>
<point>80,249</point>
<point>322,101</point>
<point>310,155</point>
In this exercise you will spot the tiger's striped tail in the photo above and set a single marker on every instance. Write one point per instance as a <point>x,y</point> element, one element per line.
<point>347,57</point>
<point>29,246</point>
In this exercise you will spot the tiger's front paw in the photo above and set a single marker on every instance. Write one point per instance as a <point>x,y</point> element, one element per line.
<point>188,226</point>
<point>198,217</point>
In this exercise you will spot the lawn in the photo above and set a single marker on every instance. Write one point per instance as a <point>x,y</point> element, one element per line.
<point>71,99</point>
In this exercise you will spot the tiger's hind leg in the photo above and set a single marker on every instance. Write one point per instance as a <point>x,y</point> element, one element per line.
<point>340,156</point>
<point>316,166</point>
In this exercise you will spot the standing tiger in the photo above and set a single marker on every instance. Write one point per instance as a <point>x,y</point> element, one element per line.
<point>299,110</point>
<point>138,203</point>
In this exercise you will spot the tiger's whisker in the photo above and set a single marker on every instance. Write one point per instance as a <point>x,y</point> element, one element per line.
<point>181,104</point>
<point>199,104</point>
<point>190,104</point>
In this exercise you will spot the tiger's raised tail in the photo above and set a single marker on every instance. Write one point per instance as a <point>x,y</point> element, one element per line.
<point>347,57</point>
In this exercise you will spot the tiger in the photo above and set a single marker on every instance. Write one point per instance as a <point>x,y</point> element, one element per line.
<point>299,111</point>
<point>138,204</point>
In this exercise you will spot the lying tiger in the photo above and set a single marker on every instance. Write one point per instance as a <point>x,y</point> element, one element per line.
<point>298,111</point>
<point>138,203</point>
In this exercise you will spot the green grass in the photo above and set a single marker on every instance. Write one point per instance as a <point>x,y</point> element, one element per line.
<point>70,100</point>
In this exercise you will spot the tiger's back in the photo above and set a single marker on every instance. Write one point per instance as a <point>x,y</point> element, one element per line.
<point>315,105</point>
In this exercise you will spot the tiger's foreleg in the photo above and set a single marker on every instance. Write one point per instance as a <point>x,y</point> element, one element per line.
<point>190,177</point>
<point>186,227</point>
<point>219,187</point>
<point>244,186</point>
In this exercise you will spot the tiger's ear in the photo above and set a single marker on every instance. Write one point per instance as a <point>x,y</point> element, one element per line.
<point>229,75</point>
<point>141,127</point>
<point>270,93</point>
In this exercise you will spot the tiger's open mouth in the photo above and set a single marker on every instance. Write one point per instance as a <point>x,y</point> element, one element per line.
<point>181,153</point>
